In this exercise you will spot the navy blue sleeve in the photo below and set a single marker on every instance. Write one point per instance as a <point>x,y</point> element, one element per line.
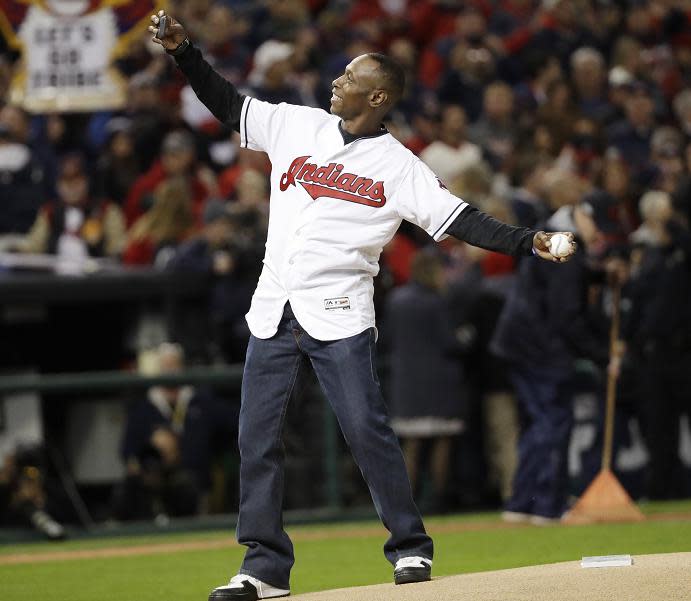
<point>481,230</point>
<point>217,93</point>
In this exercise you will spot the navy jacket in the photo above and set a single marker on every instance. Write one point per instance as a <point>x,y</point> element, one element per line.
<point>544,322</point>
<point>426,370</point>
<point>210,423</point>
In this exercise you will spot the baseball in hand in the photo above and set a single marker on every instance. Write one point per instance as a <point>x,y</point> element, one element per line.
<point>560,245</point>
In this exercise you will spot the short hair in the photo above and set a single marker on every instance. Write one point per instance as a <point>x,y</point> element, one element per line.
<point>393,74</point>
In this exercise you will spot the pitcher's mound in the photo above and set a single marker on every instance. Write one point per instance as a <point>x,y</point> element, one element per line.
<point>664,577</point>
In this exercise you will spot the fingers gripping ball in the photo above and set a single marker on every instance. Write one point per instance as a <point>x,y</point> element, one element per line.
<point>560,245</point>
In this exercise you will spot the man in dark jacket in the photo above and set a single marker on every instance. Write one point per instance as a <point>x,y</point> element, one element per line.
<point>661,346</point>
<point>426,384</point>
<point>541,331</point>
<point>168,445</point>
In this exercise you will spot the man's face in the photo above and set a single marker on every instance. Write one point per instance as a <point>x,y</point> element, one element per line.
<point>352,90</point>
<point>454,120</point>
<point>177,162</point>
<point>589,76</point>
<point>16,122</point>
<point>170,363</point>
<point>498,103</point>
<point>616,180</point>
<point>73,190</point>
<point>219,25</point>
<point>639,109</point>
<point>219,232</point>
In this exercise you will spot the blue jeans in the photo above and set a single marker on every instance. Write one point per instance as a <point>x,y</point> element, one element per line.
<point>346,372</point>
<point>541,485</point>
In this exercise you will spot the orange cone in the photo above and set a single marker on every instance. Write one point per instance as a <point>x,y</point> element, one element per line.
<point>605,500</point>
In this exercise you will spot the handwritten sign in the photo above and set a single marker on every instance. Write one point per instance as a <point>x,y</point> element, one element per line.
<point>67,51</point>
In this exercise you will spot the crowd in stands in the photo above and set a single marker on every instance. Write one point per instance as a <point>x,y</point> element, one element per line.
<point>531,110</point>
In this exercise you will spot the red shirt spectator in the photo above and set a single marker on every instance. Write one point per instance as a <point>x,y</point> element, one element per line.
<point>178,159</point>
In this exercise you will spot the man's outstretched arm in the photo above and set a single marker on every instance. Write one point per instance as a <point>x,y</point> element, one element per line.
<point>482,230</point>
<point>424,200</point>
<point>218,94</point>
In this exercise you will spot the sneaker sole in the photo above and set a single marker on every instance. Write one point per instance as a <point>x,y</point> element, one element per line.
<point>239,595</point>
<point>515,517</point>
<point>410,575</point>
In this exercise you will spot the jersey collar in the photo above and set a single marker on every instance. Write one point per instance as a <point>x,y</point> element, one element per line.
<point>348,137</point>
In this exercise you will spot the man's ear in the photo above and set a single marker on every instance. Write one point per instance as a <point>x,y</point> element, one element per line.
<point>378,98</point>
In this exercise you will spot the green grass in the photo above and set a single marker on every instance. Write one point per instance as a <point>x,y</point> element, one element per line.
<point>111,542</point>
<point>329,562</point>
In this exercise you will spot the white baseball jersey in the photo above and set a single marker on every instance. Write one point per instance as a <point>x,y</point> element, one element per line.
<point>333,207</point>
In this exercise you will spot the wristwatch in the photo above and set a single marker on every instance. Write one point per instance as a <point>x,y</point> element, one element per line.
<point>180,48</point>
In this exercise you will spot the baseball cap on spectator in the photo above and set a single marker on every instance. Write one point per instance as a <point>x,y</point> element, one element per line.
<point>214,210</point>
<point>638,86</point>
<point>178,141</point>
<point>601,207</point>
<point>117,125</point>
<point>268,54</point>
<point>619,77</point>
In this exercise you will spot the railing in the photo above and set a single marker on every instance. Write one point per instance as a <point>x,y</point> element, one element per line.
<point>228,377</point>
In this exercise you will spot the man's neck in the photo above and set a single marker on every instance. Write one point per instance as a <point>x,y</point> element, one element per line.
<point>453,142</point>
<point>351,137</point>
<point>362,125</point>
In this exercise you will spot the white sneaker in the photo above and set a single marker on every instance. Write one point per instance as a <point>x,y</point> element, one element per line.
<point>47,525</point>
<point>515,517</point>
<point>412,569</point>
<point>541,520</point>
<point>246,588</point>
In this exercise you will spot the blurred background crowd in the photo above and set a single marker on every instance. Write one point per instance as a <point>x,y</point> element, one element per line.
<point>554,114</point>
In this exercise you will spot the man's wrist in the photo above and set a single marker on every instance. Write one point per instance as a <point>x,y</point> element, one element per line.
<point>180,48</point>
<point>529,244</point>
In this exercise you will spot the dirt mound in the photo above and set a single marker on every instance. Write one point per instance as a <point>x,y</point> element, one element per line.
<point>664,577</point>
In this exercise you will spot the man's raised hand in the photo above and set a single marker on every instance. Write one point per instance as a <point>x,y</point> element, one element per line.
<point>174,34</point>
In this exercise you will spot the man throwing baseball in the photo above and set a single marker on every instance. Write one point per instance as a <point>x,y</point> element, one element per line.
<point>340,187</point>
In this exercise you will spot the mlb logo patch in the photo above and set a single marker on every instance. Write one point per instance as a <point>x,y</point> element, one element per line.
<point>341,303</point>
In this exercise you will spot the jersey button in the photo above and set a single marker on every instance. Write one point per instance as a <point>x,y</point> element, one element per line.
<point>291,261</point>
